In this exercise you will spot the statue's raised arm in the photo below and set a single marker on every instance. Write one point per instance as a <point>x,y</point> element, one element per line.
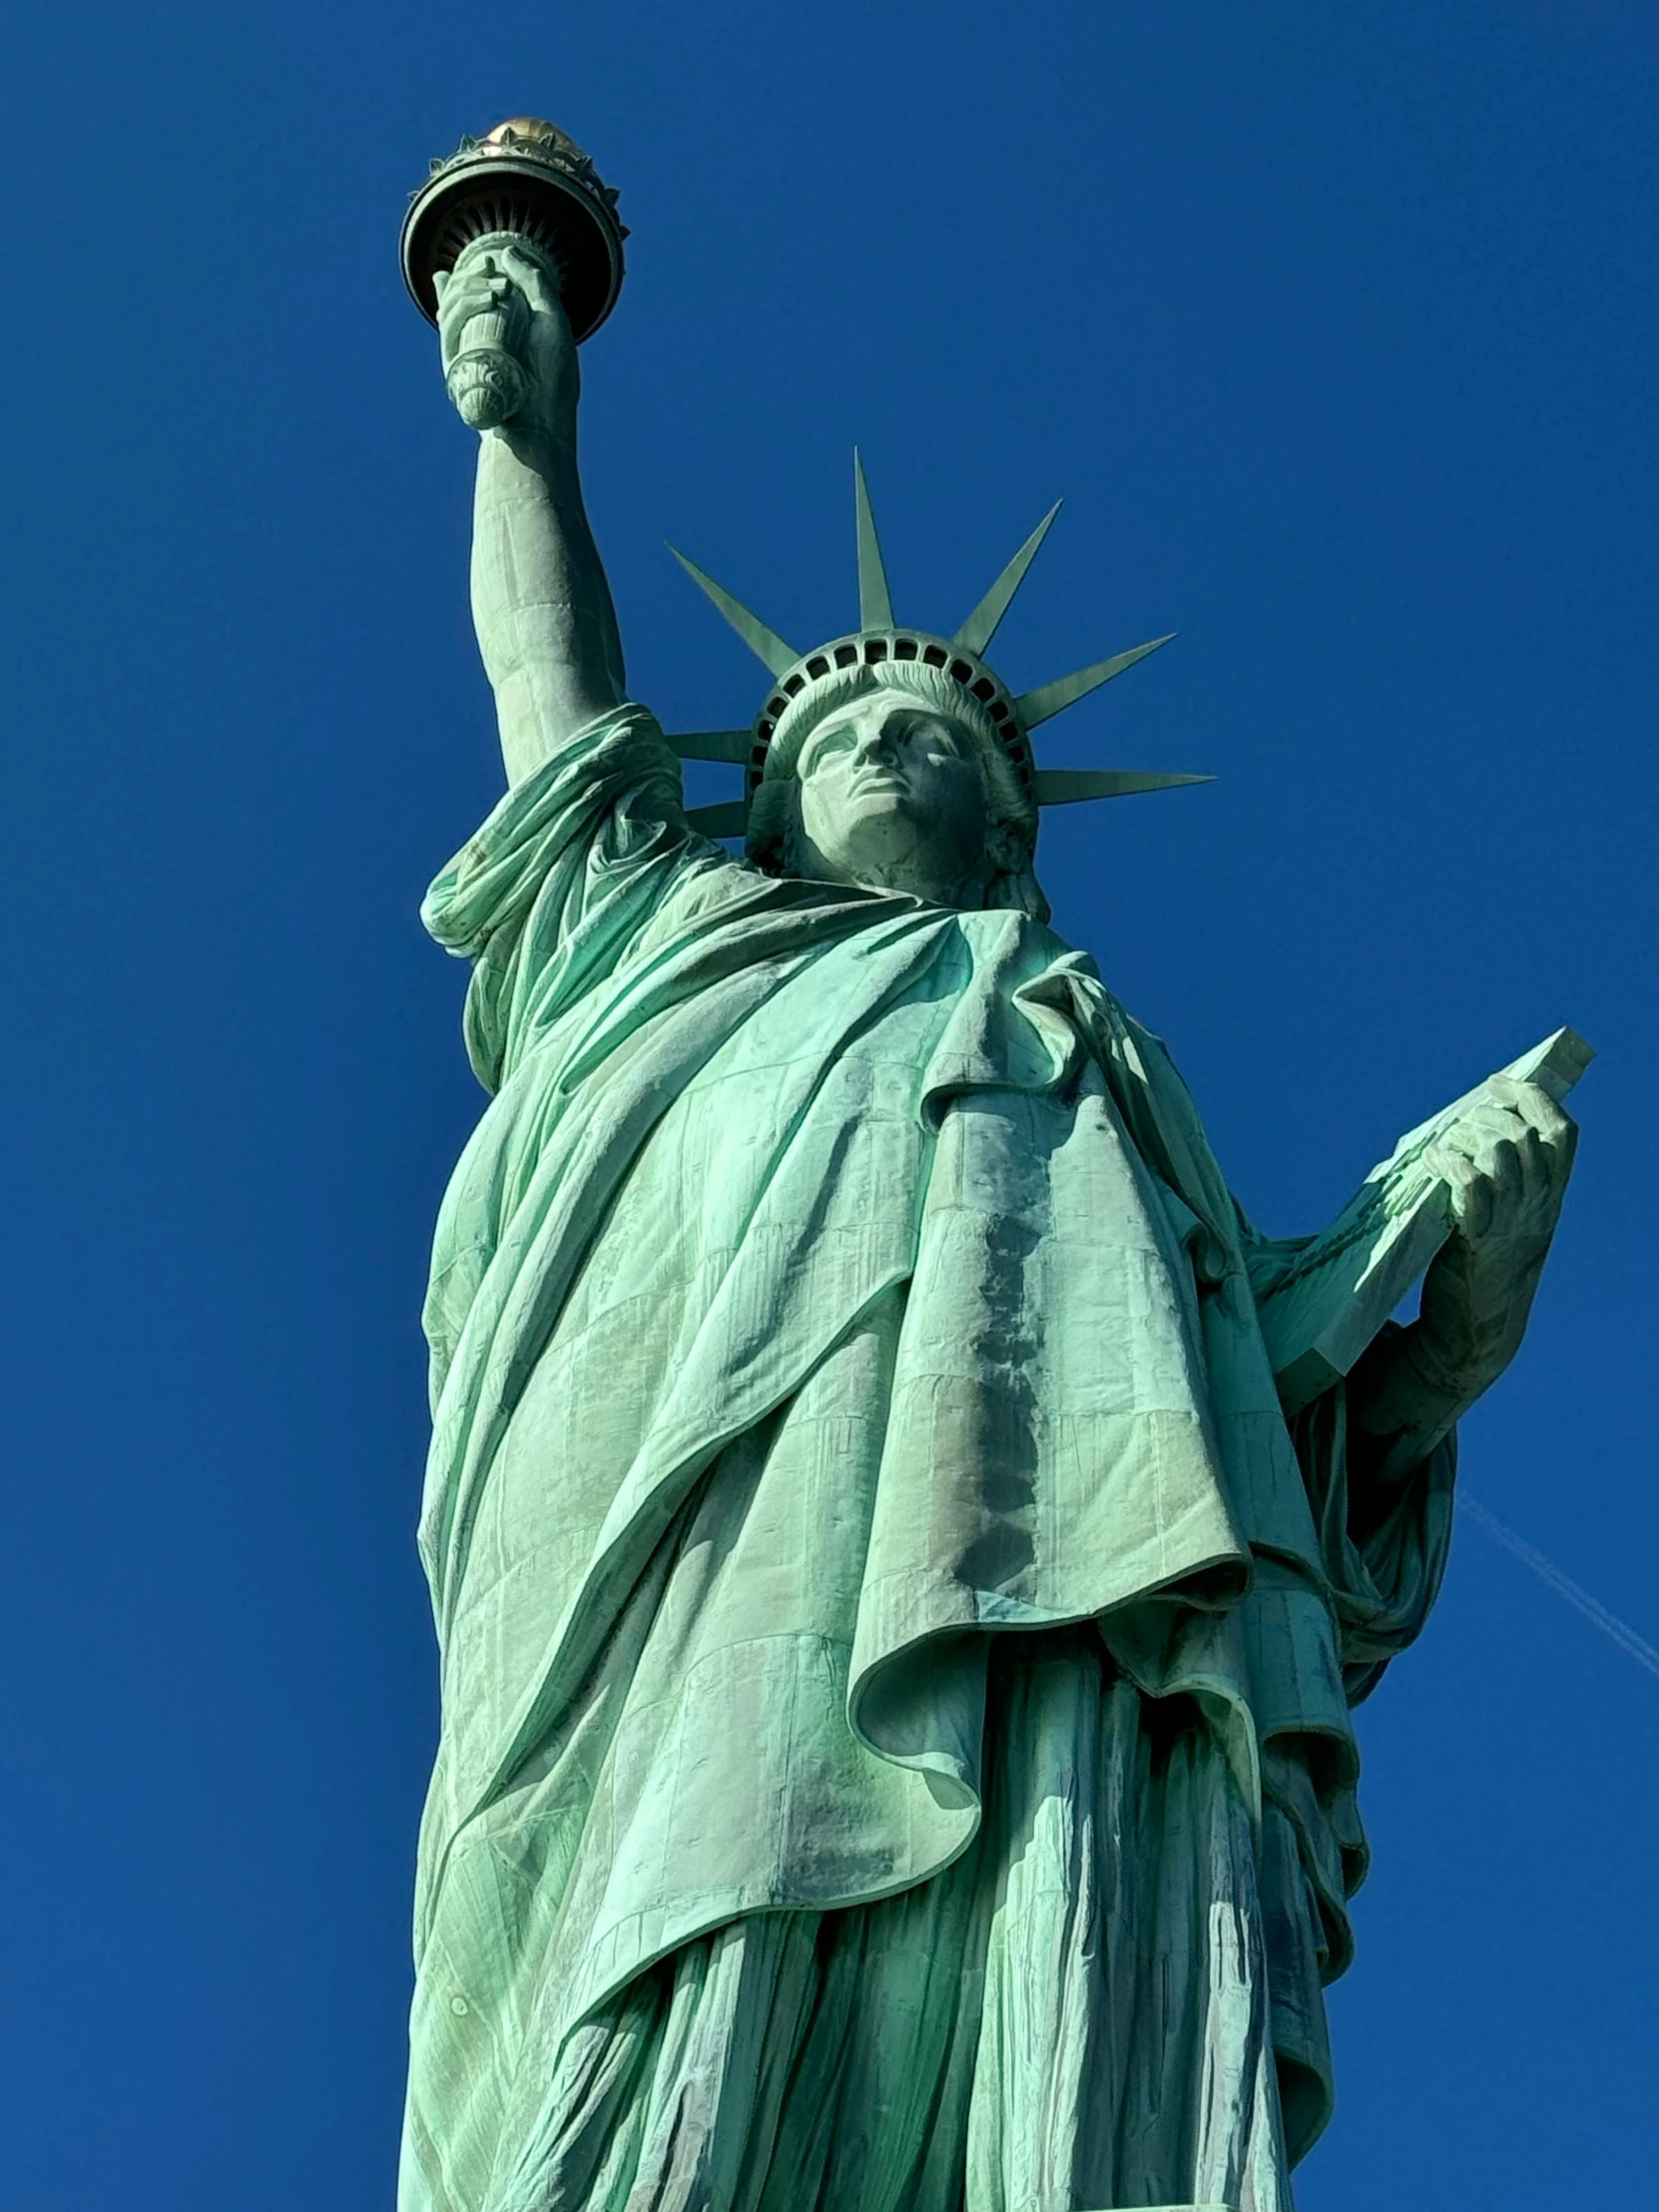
<point>546,625</point>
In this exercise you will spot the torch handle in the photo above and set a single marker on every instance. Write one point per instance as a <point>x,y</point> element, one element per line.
<point>486,377</point>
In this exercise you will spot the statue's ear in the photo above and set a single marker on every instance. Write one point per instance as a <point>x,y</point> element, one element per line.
<point>1010,874</point>
<point>1007,852</point>
<point>775,826</point>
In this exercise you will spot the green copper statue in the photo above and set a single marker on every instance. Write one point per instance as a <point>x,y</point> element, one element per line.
<point>904,1548</point>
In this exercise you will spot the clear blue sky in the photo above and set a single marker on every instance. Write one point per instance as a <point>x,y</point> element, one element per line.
<point>1336,327</point>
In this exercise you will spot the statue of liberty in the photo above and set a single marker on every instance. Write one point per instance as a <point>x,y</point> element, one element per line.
<point>899,1630</point>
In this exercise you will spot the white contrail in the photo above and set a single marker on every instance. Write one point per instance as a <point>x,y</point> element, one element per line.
<point>1620,1632</point>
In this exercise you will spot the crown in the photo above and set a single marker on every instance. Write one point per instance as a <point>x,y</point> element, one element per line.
<point>878,640</point>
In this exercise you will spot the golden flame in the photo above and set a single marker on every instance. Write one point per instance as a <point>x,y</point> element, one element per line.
<point>520,127</point>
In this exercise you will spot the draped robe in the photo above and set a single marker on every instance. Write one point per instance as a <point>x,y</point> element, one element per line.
<point>896,1658</point>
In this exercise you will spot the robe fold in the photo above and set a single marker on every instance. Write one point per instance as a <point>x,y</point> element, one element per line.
<point>857,1484</point>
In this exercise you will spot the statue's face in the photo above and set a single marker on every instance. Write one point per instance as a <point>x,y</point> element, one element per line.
<point>892,795</point>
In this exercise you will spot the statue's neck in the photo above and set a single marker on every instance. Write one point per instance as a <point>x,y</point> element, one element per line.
<point>965,897</point>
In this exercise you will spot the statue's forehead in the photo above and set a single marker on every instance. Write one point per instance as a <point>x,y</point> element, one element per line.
<point>889,698</point>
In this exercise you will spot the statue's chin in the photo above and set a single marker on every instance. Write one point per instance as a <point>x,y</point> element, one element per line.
<point>904,881</point>
<point>883,846</point>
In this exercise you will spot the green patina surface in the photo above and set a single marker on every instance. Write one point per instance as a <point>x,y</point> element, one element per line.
<point>898,1646</point>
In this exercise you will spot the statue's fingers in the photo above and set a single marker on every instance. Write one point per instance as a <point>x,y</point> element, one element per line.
<point>1484,1218</point>
<point>459,309</point>
<point>1554,1134</point>
<point>1472,1203</point>
<point>464,297</point>
<point>471,290</point>
<point>1461,1143</point>
<point>529,273</point>
<point>1439,1161</point>
<point>1537,1109</point>
<point>1467,1182</point>
<point>1555,1126</point>
<point>476,259</point>
<point>1492,1119</point>
<point>1505,1171</point>
<point>1492,1137</point>
<point>1533,1160</point>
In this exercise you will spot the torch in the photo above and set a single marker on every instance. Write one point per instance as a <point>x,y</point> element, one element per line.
<point>526,185</point>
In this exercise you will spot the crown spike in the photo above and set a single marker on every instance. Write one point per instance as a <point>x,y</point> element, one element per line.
<point>874,599</point>
<point>980,627</point>
<point>713,745</point>
<point>1064,786</point>
<point>765,644</point>
<point>1053,697</point>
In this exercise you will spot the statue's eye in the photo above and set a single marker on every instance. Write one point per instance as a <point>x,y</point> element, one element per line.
<point>837,739</point>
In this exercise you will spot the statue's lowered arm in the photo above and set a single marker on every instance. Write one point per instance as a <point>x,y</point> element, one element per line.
<point>1473,1196</point>
<point>546,626</point>
<point>1504,1167</point>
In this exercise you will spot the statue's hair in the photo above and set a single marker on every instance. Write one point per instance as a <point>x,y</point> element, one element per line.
<point>773,816</point>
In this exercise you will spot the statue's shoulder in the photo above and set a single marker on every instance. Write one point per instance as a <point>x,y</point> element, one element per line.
<point>1002,929</point>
